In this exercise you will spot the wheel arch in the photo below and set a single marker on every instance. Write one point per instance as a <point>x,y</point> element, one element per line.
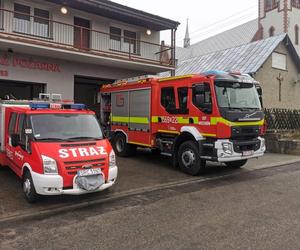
<point>120,131</point>
<point>26,167</point>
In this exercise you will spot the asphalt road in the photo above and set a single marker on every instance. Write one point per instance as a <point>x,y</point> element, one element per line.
<point>246,210</point>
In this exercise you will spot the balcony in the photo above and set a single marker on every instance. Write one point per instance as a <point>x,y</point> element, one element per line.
<point>45,33</point>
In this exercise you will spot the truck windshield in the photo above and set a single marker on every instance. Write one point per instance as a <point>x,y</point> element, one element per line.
<point>64,127</point>
<point>235,95</point>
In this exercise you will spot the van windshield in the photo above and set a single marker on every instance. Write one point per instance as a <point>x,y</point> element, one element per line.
<point>65,127</point>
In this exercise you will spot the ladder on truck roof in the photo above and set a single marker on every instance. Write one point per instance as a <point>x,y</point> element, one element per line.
<point>134,79</point>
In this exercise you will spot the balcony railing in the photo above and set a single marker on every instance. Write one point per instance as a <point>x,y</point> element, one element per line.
<point>47,32</point>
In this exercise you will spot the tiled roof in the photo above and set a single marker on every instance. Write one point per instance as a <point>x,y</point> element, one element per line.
<point>247,58</point>
<point>241,34</point>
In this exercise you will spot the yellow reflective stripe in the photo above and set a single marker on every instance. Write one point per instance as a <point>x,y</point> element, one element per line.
<point>120,119</point>
<point>139,120</point>
<point>139,144</point>
<point>124,119</point>
<point>169,132</point>
<point>216,120</point>
<point>154,119</point>
<point>208,135</point>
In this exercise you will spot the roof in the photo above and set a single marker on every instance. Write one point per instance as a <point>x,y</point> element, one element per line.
<point>247,58</point>
<point>241,34</point>
<point>121,13</point>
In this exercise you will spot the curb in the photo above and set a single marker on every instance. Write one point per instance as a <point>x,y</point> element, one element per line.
<point>134,192</point>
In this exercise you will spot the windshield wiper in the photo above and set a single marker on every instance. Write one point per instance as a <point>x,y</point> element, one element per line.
<point>50,139</point>
<point>84,138</point>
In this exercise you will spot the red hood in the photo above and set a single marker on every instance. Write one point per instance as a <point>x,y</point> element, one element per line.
<point>72,156</point>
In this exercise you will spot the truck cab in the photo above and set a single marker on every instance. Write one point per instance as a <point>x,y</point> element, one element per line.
<point>55,148</point>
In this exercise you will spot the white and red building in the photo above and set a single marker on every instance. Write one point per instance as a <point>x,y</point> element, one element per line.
<point>72,46</point>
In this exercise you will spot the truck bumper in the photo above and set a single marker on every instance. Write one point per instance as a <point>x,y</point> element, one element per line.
<point>53,184</point>
<point>226,151</point>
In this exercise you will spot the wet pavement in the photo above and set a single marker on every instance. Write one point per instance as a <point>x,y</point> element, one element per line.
<point>138,173</point>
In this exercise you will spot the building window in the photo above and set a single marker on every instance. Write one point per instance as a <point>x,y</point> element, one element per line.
<point>115,38</point>
<point>31,21</point>
<point>271,4</point>
<point>271,31</point>
<point>130,41</point>
<point>296,3</point>
<point>127,43</point>
<point>296,34</point>
<point>279,61</point>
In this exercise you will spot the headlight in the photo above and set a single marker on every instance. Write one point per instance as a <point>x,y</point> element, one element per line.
<point>263,143</point>
<point>49,164</point>
<point>227,148</point>
<point>112,159</point>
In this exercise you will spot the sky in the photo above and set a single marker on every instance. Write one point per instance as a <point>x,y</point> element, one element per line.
<point>206,17</point>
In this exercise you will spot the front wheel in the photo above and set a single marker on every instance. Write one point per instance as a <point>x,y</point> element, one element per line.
<point>236,164</point>
<point>189,159</point>
<point>28,188</point>
<point>121,147</point>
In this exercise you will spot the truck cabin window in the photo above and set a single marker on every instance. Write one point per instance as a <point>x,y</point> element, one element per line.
<point>167,100</point>
<point>65,127</point>
<point>183,100</point>
<point>202,97</point>
<point>233,95</point>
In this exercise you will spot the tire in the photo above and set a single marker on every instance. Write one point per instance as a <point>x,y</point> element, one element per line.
<point>236,164</point>
<point>121,147</point>
<point>189,159</point>
<point>30,194</point>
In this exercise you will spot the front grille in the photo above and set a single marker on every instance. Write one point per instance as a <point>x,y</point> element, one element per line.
<point>72,167</point>
<point>247,131</point>
<point>241,146</point>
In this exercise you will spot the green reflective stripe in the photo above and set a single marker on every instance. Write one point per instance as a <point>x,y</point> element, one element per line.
<point>124,119</point>
<point>216,120</point>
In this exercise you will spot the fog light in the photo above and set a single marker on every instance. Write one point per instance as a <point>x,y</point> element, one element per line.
<point>227,148</point>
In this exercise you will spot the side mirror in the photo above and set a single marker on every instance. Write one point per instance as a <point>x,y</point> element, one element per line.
<point>15,140</point>
<point>259,91</point>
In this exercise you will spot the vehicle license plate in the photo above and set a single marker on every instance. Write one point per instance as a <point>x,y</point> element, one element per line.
<point>248,153</point>
<point>88,172</point>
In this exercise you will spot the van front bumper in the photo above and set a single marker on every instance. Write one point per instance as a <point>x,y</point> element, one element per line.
<point>53,184</point>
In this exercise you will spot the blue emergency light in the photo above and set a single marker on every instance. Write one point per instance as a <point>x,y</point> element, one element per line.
<point>40,105</point>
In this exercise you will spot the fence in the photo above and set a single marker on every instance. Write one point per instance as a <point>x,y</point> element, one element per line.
<point>282,119</point>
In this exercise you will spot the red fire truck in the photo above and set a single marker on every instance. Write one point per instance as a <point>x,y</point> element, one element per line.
<point>55,148</point>
<point>215,116</point>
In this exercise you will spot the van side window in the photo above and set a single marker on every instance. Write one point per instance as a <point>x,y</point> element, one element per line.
<point>12,123</point>
<point>21,128</point>
<point>168,99</point>
<point>183,100</point>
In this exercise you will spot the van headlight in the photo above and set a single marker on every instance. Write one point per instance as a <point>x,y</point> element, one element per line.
<point>112,159</point>
<point>227,148</point>
<point>49,164</point>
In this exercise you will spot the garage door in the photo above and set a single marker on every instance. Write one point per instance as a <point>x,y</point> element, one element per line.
<point>20,90</point>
